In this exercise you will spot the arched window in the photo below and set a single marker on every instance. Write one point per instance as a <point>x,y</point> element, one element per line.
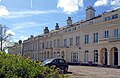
<point>95,56</point>
<point>86,56</point>
<point>74,57</point>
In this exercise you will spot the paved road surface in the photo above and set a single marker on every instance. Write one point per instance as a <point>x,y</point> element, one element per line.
<point>92,72</point>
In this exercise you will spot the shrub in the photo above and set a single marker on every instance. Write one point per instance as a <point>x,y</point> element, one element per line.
<point>16,66</point>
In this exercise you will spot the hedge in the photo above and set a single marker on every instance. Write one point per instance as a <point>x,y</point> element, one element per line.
<point>17,66</point>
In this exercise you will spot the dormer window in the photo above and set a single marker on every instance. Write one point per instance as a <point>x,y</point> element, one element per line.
<point>107,18</point>
<point>115,16</point>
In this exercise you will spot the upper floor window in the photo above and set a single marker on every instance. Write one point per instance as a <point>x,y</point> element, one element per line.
<point>77,40</point>
<point>65,42</point>
<point>95,37</point>
<point>69,29</point>
<point>107,18</point>
<point>116,33</point>
<point>114,16</point>
<point>42,45</point>
<point>91,22</point>
<point>54,43</point>
<point>50,44</point>
<point>106,34</point>
<point>47,44</point>
<point>58,42</point>
<point>74,28</point>
<point>65,30</point>
<point>86,39</point>
<point>71,41</point>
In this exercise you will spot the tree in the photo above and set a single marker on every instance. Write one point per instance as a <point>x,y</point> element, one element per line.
<point>4,36</point>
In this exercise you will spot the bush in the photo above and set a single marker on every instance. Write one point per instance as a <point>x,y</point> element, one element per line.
<point>16,66</point>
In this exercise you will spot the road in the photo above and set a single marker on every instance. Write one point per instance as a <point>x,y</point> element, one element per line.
<point>92,72</point>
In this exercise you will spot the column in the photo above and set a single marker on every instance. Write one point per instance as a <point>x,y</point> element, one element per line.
<point>99,61</point>
<point>118,57</point>
<point>108,57</point>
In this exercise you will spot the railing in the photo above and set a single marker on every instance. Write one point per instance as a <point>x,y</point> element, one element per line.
<point>114,39</point>
<point>103,40</point>
<point>111,39</point>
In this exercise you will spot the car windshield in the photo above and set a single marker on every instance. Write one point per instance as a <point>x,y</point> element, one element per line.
<point>47,61</point>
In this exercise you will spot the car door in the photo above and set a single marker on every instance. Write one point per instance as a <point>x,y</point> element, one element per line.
<point>55,63</point>
<point>61,64</point>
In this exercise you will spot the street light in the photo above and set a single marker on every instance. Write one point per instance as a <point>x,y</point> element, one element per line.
<point>20,42</point>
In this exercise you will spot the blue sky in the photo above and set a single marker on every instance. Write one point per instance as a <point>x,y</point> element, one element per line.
<point>29,17</point>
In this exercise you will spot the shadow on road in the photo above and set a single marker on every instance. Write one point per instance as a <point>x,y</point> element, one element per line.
<point>68,72</point>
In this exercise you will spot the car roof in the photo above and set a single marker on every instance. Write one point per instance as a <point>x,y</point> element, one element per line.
<point>54,58</point>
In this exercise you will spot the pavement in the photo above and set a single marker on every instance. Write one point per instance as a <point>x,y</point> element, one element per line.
<point>92,72</point>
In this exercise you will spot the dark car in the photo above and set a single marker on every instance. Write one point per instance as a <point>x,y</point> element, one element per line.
<point>57,62</point>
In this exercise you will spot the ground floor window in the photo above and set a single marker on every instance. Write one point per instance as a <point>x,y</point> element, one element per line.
<point>95,56</point>
<point>74,57</point>
<point>86,56</point>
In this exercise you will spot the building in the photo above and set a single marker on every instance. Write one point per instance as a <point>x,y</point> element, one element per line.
<point>16,48</point>
<point>95,40</point>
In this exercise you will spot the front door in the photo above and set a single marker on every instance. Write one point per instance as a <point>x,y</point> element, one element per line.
<point>105,58</point>
<point>115,58</point>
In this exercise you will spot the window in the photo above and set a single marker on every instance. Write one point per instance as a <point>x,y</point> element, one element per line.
<point>106,34</point>
<point>61,61</point>
<point>71,41</point>
<point>65,30</point>
<point>65,42</point>
<point>95,37</point>
<point>69,29</point>
<point>55,61</point>
<point>86,39</point>
<point>86,56</point>
<point>95,56</point>
<point>74,28</point>
<point>107,18</point>
<point>91,22</point>
<point>74,57</point>
<point>54,43</point>
<point>58,42</point>
<point>114,16</point>
<point>50,44</point>
<point>115,32</point>
<point>47,44</point>
<point>42,45</point>
<point>77,40</point>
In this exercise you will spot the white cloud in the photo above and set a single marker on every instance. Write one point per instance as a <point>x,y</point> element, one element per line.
<point>101,3</point>
<point>70,6</point>
<point>24,25</point>
<point>23,38</point>
<point>19,14</point>
<point>10,32</point>
<point>115,3</point>
<point>3,11</point>
<point>107,2</point>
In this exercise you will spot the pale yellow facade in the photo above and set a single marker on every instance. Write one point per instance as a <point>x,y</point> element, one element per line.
<point>95,40</point>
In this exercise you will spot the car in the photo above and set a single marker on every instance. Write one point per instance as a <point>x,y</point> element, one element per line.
<point>57,62</point>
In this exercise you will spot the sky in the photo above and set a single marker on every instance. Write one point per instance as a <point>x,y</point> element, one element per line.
<point>29,17</point>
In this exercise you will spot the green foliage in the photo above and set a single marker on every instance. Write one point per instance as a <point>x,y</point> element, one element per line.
<point>16,66</point>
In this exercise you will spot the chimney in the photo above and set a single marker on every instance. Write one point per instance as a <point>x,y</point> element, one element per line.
<point>20,42</point>
<point>57,26</point>
<point>31,36</point>
<point>90,12</point>
<point>46,30</point>
<point>69,21</point>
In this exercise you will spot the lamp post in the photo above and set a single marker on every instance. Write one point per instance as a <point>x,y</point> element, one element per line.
<point>20,43</point>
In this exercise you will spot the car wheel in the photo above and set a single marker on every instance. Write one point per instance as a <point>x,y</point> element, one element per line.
<point>66,69</point>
